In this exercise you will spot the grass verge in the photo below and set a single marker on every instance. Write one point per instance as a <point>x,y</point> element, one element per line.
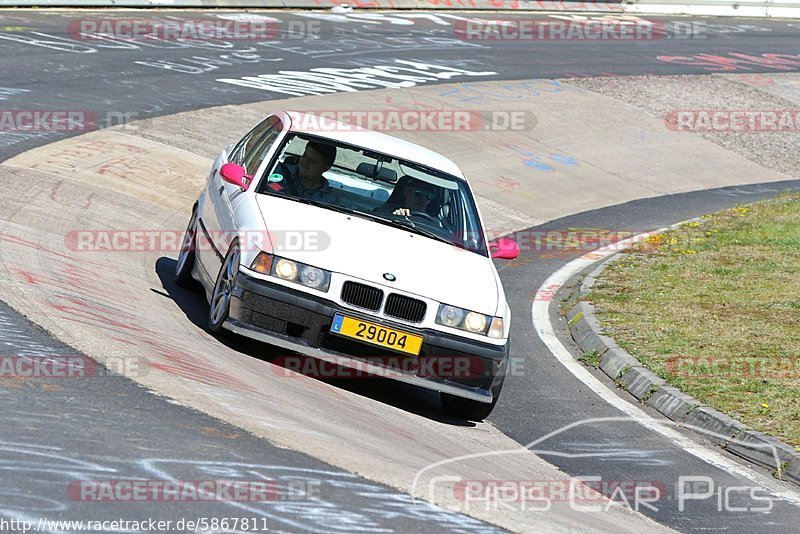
<point>592,359</point>
<point>713,307</point>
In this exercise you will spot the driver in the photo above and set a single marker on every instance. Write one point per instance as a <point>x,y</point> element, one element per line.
<point>417,195</point>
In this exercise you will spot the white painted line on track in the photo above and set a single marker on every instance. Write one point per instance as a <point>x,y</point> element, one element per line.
<point>544,328</point>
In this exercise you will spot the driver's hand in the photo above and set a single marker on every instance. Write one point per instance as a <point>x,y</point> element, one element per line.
<point>405,212</point>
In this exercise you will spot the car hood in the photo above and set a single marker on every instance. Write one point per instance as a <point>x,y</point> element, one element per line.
<point>366,249</point>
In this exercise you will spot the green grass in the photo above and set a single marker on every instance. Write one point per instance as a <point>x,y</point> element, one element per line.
<point>714,308</point>
<point>592,359</point>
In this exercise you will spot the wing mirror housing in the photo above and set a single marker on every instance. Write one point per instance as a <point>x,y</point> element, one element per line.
<point>504,249</point>
<point>235,174</point>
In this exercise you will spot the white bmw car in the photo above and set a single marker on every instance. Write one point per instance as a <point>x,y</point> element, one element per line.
<point>357,248</point>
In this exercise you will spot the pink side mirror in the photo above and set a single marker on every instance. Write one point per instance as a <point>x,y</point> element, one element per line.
<point>504,249</point>
<point>235,174</point>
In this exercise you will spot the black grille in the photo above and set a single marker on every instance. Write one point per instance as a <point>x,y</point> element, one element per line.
<point>405,308</point>
<point>362,296</point>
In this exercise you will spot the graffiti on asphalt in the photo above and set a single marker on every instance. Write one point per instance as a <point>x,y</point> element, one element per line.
<point>317,81</point>
<point>734,61</point>
<point>540,162</point>
<point>306,501</point>
<point>207,63</point>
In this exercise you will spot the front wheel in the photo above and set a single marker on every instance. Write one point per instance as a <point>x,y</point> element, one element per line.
<point>467,408</point>
<point>186,257</point>
<point>474,410</point>
<point>220,305</point>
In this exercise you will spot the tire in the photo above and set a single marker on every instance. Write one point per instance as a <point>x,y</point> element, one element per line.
<point>186,256</point>
<point>467,408</point>
<point>470,409</point>
<point>220,305</point>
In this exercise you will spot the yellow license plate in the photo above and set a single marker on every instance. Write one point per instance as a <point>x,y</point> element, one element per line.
<point>376,334</point>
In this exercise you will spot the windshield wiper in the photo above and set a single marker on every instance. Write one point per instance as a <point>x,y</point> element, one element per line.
<point>394,222</point>
<point>428,233</point>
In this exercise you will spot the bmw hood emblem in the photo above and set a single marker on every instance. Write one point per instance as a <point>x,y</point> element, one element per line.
<point>390,277</point>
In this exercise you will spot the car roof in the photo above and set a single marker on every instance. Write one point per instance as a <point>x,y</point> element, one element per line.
<point>370,139</point>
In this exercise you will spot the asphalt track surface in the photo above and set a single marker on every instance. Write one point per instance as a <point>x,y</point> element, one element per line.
<point>85,429</point>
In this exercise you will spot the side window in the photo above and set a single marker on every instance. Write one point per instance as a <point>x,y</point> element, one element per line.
<point>250,151</point>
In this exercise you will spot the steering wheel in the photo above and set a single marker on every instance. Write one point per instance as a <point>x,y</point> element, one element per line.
<point>427,216</point>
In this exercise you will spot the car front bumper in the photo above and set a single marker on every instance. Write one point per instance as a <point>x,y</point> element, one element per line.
<point>300,323</point>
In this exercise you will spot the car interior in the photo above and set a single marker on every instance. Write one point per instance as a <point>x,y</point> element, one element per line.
<point>368,180</point>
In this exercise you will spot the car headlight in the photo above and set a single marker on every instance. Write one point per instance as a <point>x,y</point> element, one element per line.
<point>286,269</point>
<point>313,277</point>
<point>292,271</point>
<point>475,322</point>
<point>449,315</point>
<point>471,321</point>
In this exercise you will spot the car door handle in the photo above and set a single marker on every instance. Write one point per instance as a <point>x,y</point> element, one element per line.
<point>221,190</point>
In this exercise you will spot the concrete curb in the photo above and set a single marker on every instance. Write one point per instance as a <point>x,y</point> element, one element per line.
<point>716,8</point>
<point>630,374</point>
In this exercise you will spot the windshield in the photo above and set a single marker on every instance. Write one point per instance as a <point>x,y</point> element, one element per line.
<point>376,186</point>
